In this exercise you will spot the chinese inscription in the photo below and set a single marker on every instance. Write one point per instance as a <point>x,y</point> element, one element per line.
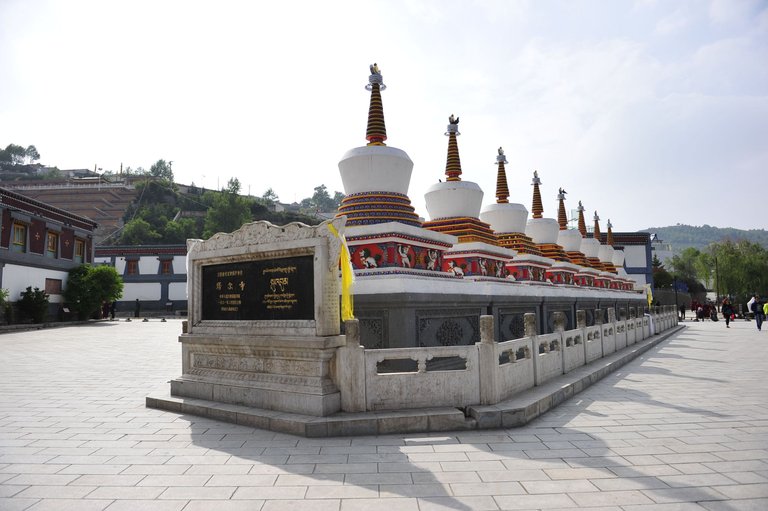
<point>273,289</point>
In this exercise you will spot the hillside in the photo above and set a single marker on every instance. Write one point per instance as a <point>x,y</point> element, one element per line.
<point>681,236</point>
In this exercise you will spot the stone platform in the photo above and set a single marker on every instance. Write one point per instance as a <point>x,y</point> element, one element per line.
<point>514,412</point>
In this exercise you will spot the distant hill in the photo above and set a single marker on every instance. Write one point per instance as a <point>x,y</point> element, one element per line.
<point>681,236</point>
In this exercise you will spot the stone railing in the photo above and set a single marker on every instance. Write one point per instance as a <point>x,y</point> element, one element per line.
<point>487,372</point>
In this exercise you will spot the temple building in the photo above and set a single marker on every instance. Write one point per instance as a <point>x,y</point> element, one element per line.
<point>39,244</point>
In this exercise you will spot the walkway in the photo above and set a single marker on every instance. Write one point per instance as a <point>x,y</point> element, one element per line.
<point>683,428</point>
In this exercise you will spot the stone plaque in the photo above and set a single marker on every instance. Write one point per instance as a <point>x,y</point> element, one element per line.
<point>269,289</point>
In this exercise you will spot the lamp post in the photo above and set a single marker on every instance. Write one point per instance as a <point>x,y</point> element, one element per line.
<point>717,284</point>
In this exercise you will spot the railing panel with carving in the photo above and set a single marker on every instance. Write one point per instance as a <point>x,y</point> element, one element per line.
<point>609,338</point>
<point>515,371</point>
<point>639,333</point>
<point>421,377</point>
<point>646,327</point>
<point>548,357</point>
<point>621,335</point>
<point>573,350</point>
<point>593,344</point>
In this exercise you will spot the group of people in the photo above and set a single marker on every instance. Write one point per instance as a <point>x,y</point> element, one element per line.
<point>756,305</point>
<point>701,311</point>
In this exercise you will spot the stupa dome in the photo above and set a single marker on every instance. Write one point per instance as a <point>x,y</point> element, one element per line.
<point>505,217</point>
<point>605,253</point>
<point>590,247</point>
<point>570,240</point>
<point>542,230</point>
<point>375,168</point>
<point>454,199</point>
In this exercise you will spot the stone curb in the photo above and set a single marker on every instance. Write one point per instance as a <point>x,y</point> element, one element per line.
<point>513,412</point>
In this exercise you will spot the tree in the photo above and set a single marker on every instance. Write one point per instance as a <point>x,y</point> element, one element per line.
<point>661,277</point>
<point>179,231</point>
<point>742,268</point>
<point>228,212</point>
<point>321,201</point>
<point>684,265</point>
<point>162,169</point>
<point>139,232</point>
<point>31,153</point>
<point>270,195</point>
<point>88,287</point>
<point>13,154</point>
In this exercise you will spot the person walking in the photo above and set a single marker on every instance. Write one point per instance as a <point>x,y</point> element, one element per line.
<point>727,309</point>
<point>758,307</point>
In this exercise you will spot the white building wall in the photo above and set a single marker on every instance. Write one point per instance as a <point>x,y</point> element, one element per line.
<point>634,256</point>
<point>149,265</point>
<point>120,265</point>
<point>102,260</point>
<point>17,278</point>
<point>141,290</point>
<point>177,291</point>
<point>180,265</point>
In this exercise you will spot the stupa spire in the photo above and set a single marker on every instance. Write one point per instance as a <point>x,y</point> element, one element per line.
<point>376,133</point>
<point>596,230</point>
<point>582,223</point>
<point>453,163</point>
<point>537,207</point>
<point>562,218</point>
<point>609,239</point>
<point>502,190</point>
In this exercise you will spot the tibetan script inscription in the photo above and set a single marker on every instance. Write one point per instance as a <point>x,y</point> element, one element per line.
<point>272,289</point>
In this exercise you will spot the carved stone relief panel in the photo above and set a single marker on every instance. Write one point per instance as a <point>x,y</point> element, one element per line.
<point>458,327</point>
<point>374,329</point>
<point>512,323</point>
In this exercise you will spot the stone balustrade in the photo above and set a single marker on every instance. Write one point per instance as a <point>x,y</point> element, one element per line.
<point>487,372</point>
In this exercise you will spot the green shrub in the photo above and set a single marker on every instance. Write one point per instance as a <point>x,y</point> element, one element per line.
<point>34,304</point>
<point>88,287</point>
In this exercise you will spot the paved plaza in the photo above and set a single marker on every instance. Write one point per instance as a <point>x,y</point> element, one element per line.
<point>682,428</point>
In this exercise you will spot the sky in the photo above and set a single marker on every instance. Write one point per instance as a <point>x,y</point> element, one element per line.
<point>651,112</point>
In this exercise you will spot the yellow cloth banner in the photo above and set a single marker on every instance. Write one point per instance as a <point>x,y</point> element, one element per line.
<point>347,277</point>
<point>649,294</point>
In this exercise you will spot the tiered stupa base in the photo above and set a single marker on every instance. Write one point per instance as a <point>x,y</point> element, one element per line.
<point>370,208</point>
<point>578,258</point>
<point>395,248</point>
<point>563,273</point>
<point>586,277</point>
<point>467,229</point>
<point>518,242</point>
<point>530,268</point>
<point>553,251</point>
<point>478,261</point>
<point>595,263</point>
